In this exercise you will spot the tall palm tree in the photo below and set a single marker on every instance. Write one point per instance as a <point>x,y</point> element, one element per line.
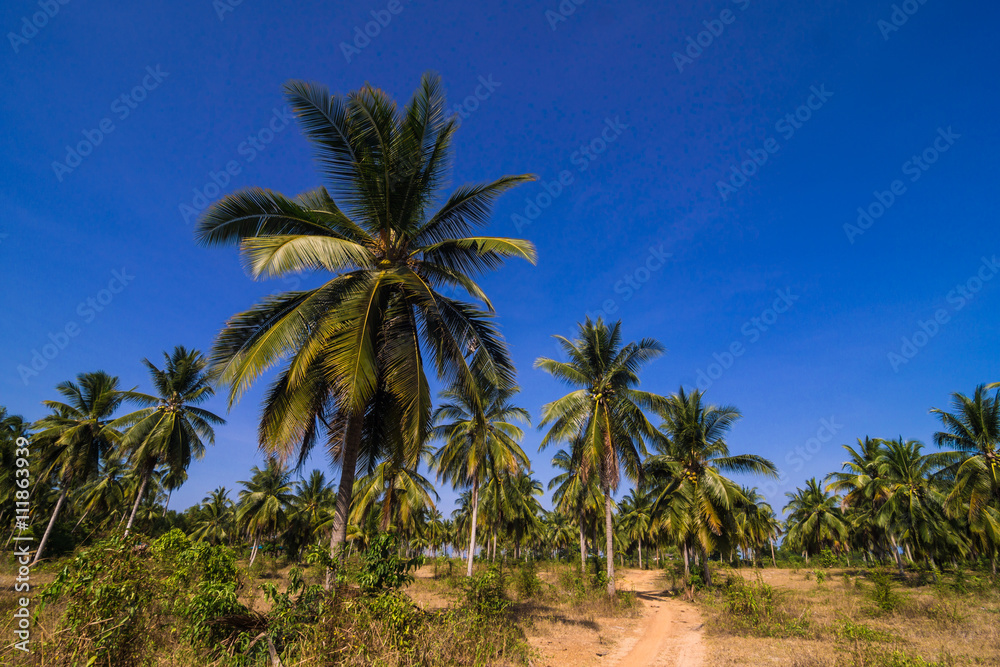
<point>814,519</point>
<point>693,455</point>
<point>358,341</point>
<point>266,501</point>
<point>972,430</point>
<point>79,432</point>
<point>169,431</point>
<point>605,415</point>
<point>576,494</point>
<point>480,434</point>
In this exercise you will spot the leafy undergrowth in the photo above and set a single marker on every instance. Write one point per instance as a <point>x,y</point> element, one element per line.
<point>122,603</point>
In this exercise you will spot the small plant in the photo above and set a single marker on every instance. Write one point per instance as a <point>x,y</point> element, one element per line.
<point>883,594</point>
<point>848,629</point>
<point>820,577</point>
<point>526,581</point>
<point>382,568</point>
<point>486,594</point>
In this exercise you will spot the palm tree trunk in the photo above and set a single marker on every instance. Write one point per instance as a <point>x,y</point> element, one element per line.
<point>52,522</point>
<point>687,564</point>
<point>609,538</point>
<point>705,569</point>
<point>895,552</point>
<point>475,519</point>
<point>338,534</point>
<point>583,550</point>
<point>773,559</point>
<point>253,550</point>
<point>138,498</point>
<point>640,553</point>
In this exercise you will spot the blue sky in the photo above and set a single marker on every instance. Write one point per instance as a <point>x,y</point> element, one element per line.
<point>842,106</point>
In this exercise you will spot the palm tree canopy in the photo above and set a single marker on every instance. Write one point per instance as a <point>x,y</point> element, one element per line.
<point>605,415</point>
<point>381,229</point>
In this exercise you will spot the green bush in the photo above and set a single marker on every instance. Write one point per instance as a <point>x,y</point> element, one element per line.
<point>882,593</point>
<point>486,594</point>
<point>382,568</point>
<point>110,592</point>
<point>526,581</point>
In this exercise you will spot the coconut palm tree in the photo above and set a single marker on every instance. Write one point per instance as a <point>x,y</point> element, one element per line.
<point>913,512</point>
<point>480,434</point>
<point>315,500</point>
<point>604,416</point>
<point>972,430</point>
<point>12,428</point>
<point>265,503</point>
<point>635,511</point>
<point>814,519</point>
<point>576,494</point>
<point>399,491</point>
<point>79,432</point>
<point>389,247</point>
<point>214,519</point>
<point>169,431</point>
<point>693,454</point>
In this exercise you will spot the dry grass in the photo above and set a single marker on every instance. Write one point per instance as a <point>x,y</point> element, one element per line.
<point>843,626</point>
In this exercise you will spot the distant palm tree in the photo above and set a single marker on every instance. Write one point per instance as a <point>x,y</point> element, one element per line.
<point>12,427</point>
<point>688,470</point>
<point>104,495</point>
<point>265,504</point>
<point>315,500</point>
<point>169,431</point>
<point>214,518</point>
<point>635,511</point>
<point>913,511</point>
<point>576,494</point>
<point>78,433</point>
<point>814,519</point>
<point>480,434</point>
<point>353,349</point>
<point>605,415</point>
<point>400,491</point>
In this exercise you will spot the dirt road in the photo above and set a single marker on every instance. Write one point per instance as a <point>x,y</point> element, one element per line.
<point>672,630</point>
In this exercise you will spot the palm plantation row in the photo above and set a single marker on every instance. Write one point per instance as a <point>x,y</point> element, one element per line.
<point>396,260</point>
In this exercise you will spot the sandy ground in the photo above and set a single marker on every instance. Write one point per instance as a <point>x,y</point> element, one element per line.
<point>668,632</point>
<point>671,632</point>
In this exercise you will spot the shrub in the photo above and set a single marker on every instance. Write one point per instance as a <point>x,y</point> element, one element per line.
<point>526,581</point>
<point>752,607</point>
<point>882,593</point>
<point>382,568</point>
<point>486,594</point>
<point>110,604</point>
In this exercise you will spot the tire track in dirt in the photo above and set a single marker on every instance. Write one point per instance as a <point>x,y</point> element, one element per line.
<point>672,631</point>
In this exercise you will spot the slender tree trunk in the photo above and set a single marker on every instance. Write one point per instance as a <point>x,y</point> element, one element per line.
<point>640,553</point>
<point>253,550</point>
<point>475,519</point>
<point>138,498</point>
<point>687,564</point>
<point>583,550</point>
<point>494,547</point>
<point>895,552</point>
<point>773,559</point>
<point>338,534</point>
<point>705,569</point>
<point>52,522</point>
<point>609,536</point>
